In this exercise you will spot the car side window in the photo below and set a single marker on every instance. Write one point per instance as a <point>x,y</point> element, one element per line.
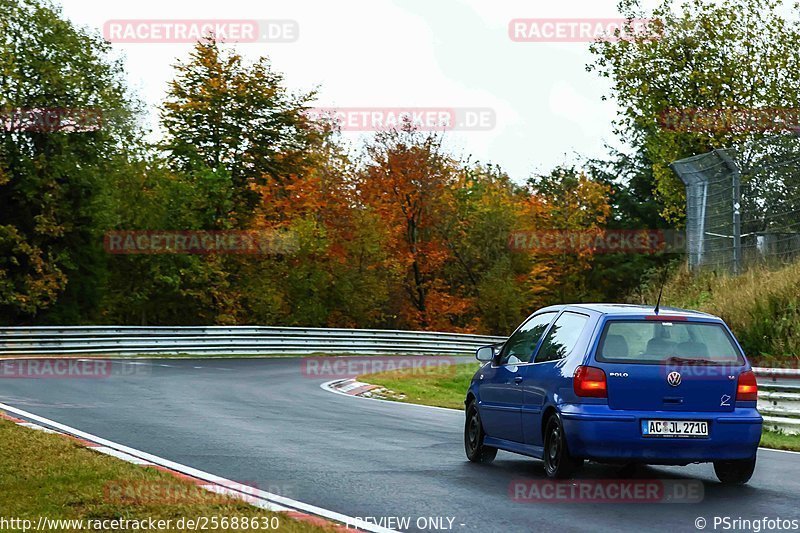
<point>520,346</point>
<point>562,337</point>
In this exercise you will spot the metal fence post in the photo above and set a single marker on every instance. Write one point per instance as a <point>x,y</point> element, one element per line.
<point>696,183</point>
<point>737,223</point>
<point>736,201</point>
<point>743,203</point>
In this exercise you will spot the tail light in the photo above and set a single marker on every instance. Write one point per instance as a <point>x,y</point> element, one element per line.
<point>747,388</point>
<point>590,382</point>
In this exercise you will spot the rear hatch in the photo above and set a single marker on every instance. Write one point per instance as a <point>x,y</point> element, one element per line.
<point>669,364</point>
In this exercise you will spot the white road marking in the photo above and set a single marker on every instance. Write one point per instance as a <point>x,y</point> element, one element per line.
<point>775,450</point>
<point>36,427</point>
<point>267,497</point>
<point>328,386</point>
<point>243,494</point>
<point>120,455</point>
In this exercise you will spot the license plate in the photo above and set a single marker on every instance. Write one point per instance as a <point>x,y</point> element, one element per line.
<point>674,428</point>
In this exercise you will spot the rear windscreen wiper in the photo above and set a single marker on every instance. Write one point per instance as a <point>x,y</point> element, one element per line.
<point>690,361</point>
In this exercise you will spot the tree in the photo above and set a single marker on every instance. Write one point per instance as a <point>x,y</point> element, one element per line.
<point>179,289</point>
<point>338,273</point>
<point>565,199</point>
<point>404,181</point>
<point>633,207</point>
<point>707,57</point>
<point>224,114</point>
<point>51,171</point>
<point>482,269</point>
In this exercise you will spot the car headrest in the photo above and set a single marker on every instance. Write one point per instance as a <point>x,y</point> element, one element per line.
<point>692,349</point>
<point>615,346</point>
<point>659,346</point>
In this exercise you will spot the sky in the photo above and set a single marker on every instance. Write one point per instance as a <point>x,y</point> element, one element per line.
<point>409,54</point>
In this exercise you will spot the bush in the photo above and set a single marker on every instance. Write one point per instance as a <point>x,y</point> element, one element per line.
<point>762,306</point>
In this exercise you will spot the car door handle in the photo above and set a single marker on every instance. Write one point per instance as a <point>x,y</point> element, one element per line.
<point>518,379</point>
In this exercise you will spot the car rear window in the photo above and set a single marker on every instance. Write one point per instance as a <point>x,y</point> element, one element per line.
<point>653,341</point>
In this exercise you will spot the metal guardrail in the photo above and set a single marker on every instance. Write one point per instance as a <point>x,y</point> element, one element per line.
<point>779,398</point>
<point>779,389</point>
<point>222,340</point>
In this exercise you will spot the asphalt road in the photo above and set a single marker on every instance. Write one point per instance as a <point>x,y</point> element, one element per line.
<point>264,422</point>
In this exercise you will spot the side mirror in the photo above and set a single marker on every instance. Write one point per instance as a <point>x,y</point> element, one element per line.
<point>485,353</point>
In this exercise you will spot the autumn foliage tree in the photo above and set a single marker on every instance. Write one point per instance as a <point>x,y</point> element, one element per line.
<point>567,199</point>
<point>486,209</point>
<point>339,274</point>
<point>404,182</point>
<point>401,234</point>
<point>231,117</point>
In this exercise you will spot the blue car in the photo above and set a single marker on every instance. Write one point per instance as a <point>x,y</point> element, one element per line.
<point>617,384</point>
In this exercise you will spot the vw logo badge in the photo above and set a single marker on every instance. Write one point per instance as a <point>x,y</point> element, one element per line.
<point>674,378</point>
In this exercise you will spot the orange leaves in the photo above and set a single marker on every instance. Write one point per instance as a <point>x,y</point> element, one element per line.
<point>295,196</point>
<point>406,236</point>
<point>572,207</point>
<point>445,311</point>
<point>404,182</point>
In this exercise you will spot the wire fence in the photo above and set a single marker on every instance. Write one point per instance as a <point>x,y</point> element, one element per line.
<point>743,204</point>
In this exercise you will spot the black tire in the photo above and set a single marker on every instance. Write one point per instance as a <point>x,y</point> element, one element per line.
<point>735,472</point>
<point>629,470</point>
<point>477,452</point>
<point>558,463</point>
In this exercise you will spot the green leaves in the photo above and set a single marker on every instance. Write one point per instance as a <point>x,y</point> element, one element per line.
<point>737,54</point>
<point>52,176</point>
<point>226,115</point>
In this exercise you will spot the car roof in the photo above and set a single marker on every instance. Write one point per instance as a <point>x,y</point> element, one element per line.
<point>630,309</point>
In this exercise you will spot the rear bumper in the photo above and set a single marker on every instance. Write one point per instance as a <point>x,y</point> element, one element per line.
<point>600,433</point>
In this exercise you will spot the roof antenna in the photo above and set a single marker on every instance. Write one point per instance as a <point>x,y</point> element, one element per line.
<point>661,289</point>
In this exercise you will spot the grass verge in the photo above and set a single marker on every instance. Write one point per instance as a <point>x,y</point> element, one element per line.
<point>46,475</point>
<point>762,307</point>
<point>437,386</point>
<point>780,441</point>
<point>446,388</point>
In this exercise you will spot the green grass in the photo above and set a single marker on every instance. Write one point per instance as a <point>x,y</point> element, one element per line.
<point>441,387</point>
<point>446,388</point>
<point>52,476</point>
<point>780,441</point>
<point>762,307</point>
